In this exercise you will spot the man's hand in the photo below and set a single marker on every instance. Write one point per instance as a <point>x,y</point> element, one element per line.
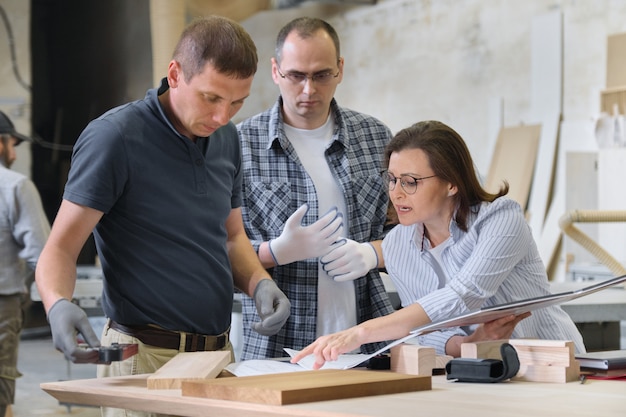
<point>349,260</point>
<point>273,307</point>
<point>298,242</point>
<point>66,319</point>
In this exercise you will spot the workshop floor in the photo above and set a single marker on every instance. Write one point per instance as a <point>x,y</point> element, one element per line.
<point>39,362</point>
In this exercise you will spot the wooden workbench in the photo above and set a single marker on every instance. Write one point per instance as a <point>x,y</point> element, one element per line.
<point>523,399</point>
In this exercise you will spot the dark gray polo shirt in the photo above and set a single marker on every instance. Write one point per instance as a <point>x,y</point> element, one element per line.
<point>162,239</point>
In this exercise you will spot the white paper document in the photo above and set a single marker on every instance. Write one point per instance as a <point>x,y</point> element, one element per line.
<point>350,360</point>
<point>262,367</point>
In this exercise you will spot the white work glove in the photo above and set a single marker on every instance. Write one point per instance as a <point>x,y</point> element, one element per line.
<point>348,260</point>
<point>298,242</point>
<point>273,307</point>
<point>66,319</point>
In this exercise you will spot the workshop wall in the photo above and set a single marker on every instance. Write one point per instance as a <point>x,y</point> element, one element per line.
<point>14,96</point>
<point>409,60</point>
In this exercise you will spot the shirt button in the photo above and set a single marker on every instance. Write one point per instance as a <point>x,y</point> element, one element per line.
<point>199,162</point>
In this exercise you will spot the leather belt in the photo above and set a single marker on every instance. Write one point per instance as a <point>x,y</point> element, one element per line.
<point>167,339</point>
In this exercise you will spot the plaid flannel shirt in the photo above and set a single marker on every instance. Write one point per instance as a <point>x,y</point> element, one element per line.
<point>275,184</point>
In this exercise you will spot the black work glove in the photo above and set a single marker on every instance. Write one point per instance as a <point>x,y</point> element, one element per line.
<point>66,320</point>
<point>273,307</point>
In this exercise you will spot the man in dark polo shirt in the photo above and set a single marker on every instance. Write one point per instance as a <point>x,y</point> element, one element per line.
<point>158,181</point>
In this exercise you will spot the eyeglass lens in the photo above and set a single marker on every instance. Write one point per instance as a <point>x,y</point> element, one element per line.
<point>323,77</point>
<point>408,183</point>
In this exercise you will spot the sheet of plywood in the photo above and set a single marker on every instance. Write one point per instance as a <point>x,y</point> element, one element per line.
<point>513,160</point>
<point>189,365</point>
<point>306,386</point>
<point>616,61</point>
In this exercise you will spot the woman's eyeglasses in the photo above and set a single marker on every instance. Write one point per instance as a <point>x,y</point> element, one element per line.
<point>407,182</point>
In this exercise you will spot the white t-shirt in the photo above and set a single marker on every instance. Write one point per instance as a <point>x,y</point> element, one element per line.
<point>336,308</point>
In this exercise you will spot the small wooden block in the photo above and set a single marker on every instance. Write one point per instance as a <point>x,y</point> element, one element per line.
<point>562,355</point>
<point>412,359</point>
<point>305,386</point>
<point>546,360</point>
<point>540,360</point>
<point>189,365</point>
<point>543,373</point>
<point>488,349</point>
<point>442,360</point>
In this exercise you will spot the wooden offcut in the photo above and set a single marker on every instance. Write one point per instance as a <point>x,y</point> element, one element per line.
<point>488,349</point>
<point>306,386</point>
<point>188,366</point>
<point>545,373</point>
<point>540,360</point>
<point>412,359</point>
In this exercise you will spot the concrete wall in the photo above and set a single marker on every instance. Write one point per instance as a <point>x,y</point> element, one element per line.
<point>409,60</point>
<point>15,98</point>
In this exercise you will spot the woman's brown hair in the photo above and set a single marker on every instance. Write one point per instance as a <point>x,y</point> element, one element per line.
<point>450,161</point>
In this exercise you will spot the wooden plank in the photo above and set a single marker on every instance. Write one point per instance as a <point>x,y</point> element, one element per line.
<point>306,386</point>
<point>513,160</point>
<point>616,60</point>
<point>189,365</point>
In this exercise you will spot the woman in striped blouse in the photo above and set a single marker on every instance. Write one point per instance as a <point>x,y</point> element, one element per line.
<point>457,248</point>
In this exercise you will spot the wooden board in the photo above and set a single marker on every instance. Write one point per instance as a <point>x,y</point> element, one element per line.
<point>306,386</point>
<point>513,160</point>
<point>511,399</point>
<point>189,365</point>
<point>616,60</point>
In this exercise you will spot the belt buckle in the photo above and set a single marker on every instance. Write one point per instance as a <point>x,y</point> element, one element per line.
<point>191,342</point>
<point>200,343</point>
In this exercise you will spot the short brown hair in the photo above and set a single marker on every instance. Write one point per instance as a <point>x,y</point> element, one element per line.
<point>220,41</point>
<point>305,27</point>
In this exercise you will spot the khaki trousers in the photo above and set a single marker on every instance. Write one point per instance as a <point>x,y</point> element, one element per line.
<point>146,361</point>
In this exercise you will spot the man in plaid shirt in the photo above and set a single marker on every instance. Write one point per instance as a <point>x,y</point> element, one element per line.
<point>314,202</point>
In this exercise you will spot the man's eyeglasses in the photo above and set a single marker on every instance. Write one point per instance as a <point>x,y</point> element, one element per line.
<point>295,77</point>
<point>407,182</point>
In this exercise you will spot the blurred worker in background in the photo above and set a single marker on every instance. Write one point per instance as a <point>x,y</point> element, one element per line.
<point>24,229</point>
